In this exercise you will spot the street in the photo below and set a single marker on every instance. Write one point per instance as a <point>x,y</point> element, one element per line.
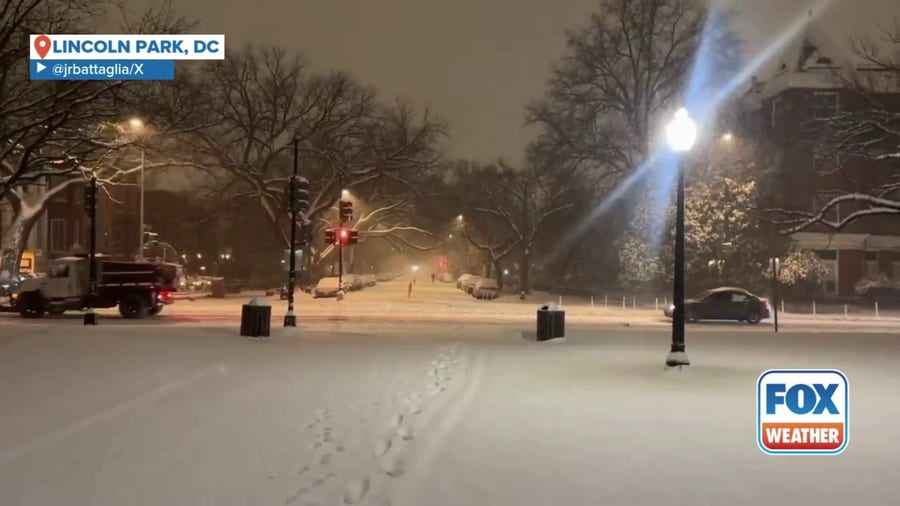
<point>412,413</point>
<point>441,303</point>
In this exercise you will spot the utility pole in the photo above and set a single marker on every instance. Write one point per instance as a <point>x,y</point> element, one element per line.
<point>340,242</point>
<point>775,266</point>
<point>90,317</point>
<point>290,319</point>
<point>141,243</point>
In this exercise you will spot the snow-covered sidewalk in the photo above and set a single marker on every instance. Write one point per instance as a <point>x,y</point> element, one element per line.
<point>413,414</point>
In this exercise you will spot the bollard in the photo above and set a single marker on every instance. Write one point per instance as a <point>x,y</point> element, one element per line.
<point>592,301</point>
<point>634,303</point>
<point>876,310</point>
<point>623,303</point>
<point>845,310</point>
<point>656,303</point>
<point>256,318</point>
<point>606,301</point>
<point>560,301</point>
<point>782,306</point>
<point>814,308</point>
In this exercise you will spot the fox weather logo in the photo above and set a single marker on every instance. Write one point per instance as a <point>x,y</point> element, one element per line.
<point>802,411</point>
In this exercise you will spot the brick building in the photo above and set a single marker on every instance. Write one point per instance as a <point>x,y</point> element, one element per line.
<point>118,222</point>
<point>792,110</point>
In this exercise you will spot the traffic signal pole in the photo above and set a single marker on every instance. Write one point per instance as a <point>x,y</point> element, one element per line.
<point>91,317</point>
<point>290,319</point>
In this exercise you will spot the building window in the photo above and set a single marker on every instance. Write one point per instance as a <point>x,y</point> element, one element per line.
<point>58,235</point>
<point>872,269</point>
<point>825,105</point>
<point>829,259</point>
<point>822,199</point>
<point>776,111</point>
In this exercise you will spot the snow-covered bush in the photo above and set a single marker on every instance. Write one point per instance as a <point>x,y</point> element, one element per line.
<point>802,267</point>
<point>879,281</point>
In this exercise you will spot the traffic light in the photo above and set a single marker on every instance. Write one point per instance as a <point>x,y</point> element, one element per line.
<point>354,236</point>
<point>300,193</point>
<point>90,198</point>
<point>346,211</point>
<point>330,236</point>
<point>344,236</point>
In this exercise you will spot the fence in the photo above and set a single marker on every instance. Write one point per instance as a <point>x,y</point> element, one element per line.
<point>643,301</point>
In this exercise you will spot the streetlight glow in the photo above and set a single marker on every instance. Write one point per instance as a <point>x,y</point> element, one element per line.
<point>727,137</point>
<point>681,133</point>
<point>415,268</point>
<point>460,217</point>
<point>136,123</point>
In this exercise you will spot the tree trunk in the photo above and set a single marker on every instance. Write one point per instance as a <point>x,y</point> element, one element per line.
<point>487,268</point>
<point>14,241</point>
<point>499,270</point>
<point>525,272</point>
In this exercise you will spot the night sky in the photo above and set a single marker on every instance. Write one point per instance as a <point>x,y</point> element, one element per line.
<point>475,62</point>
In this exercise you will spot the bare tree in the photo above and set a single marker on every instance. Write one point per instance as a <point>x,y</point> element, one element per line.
<point>528,199</point>
<point>624,68</point>
<point>52,132</point>
<point>260,100</point>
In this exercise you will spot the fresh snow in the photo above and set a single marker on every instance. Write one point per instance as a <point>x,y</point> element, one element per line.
<point>406,415</point>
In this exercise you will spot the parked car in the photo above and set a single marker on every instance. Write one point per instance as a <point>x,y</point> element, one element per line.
<point>469,285</point>
<point>353,282</point>
<point>486,289</point>
<point>326,287</point>
<point>462,279</point>
<point>724,303</point>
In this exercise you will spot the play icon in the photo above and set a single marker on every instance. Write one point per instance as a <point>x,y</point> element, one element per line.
<point>38,67</point>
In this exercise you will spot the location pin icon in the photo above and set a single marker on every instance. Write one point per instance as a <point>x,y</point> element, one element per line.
<point>42,45</point>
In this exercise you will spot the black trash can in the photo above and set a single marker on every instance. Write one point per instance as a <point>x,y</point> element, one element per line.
<point>551,323</point>
<point>256,319</point>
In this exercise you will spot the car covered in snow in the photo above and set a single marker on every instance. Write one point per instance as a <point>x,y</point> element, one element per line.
<point>327,287</point>
<point>486,289</point>
<point>724,303</point>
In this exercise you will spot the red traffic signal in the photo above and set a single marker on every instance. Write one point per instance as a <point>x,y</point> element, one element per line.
<point>344,236</point>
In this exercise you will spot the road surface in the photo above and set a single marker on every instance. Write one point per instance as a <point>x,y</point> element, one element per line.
<point>412,414</point>
<point>442,303</point>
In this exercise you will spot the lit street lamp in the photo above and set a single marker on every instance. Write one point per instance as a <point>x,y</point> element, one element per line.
<point>681,133</point>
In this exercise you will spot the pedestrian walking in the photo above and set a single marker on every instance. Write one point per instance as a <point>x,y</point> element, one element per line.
<point>409,290</point>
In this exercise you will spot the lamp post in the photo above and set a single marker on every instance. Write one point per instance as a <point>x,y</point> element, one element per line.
<point>681,133</point>
<point>137,126</point>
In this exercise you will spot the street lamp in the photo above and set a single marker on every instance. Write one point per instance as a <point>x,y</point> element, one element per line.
<point>681,133</point>
<point>727,136</point>
<point>137,127</point>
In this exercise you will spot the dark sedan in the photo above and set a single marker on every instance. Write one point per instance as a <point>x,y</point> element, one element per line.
<point>726,303</point>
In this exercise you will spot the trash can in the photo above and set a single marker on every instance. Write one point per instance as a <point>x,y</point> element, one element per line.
<point>217,287</point>
<point>256,318</point>
<point>551,322</point>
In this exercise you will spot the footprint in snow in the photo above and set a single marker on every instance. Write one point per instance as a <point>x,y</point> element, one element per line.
<point>325,459</point>
<point>356,490</point>
<point>406,433</point>
<point>415,410</point>
<point>397,420</point>
<point>381,447</point>
<point>303,470</point>
<point>393,466</point>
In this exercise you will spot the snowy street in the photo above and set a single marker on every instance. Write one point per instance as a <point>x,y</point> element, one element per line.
<point>415,414</point>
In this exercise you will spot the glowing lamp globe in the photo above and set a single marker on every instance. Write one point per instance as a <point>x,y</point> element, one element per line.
<point>681,133</point>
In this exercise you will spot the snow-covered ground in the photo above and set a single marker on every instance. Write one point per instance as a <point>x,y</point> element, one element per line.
<point>419,414</point>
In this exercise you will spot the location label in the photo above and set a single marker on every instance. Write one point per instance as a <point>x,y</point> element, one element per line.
<point>42,45</point>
